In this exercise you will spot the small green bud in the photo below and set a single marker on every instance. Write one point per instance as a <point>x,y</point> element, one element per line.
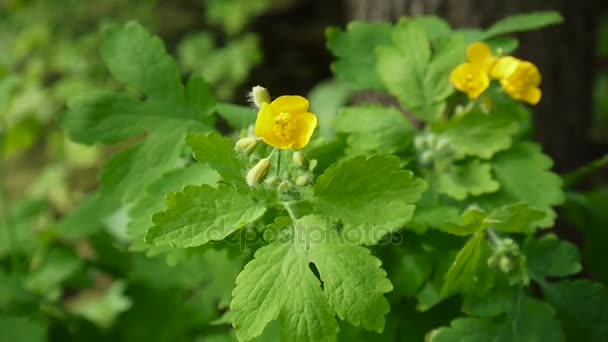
<point>302,180</point>
<point>258,172</point>
<point>272,180</point>
<point>312,164</point>
<point>246,145</point>
<point>284,187</point>
<point>427,157</point>
<point>299,160</point>
<point>443,143</point>
<point>259,95</point>
<point>505,264</point>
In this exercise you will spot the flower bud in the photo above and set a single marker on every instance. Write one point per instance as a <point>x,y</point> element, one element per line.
<point>272,180</point>
<point>312,164</point>
<point>259,95</point>
<point>246,145</point>
<point>302,180</point>
<point>258,172</point>
<point>299,160</point>
<point>505,264</point>
<point>427,157</point>
<point>442,144</point>
<point>285,186</point>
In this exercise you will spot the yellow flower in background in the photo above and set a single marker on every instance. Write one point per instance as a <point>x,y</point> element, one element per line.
<point>285,123</point>
<point>519,79</point>
<point>472,77</point>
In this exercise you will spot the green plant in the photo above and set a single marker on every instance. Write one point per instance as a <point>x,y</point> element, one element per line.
<point>395,222</point>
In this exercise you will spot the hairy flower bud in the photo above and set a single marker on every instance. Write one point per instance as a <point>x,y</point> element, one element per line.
<point>258,172</point>
<point>505,264</point>
<point>299,160</point>
<point>302,180</point>
<point>258,96</point>
<point>246,145</point>
<point>285,186</point>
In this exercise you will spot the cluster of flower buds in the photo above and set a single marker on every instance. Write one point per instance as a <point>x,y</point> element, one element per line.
<point>508,259</point>
<point>430,146</point>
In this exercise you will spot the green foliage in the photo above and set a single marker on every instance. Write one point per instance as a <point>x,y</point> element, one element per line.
<point>201,214</point>
<point>444,193</point>
<point>410,66</point>
<point>352,48</point>
<point>373,129</point>
<point>524,22</point>
<point>371,196</point>
<point>353,286</point>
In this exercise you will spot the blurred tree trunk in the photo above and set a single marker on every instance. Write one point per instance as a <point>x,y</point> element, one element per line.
<point>565,55</point>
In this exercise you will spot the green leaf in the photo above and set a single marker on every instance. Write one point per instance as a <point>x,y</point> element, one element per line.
<point>279,284</point>
<point>325,100</point>
<point>473,220</point>
<point>515,218</point>
<point>153,199</point>
<point>498,301</point>
<point>588,212</point>
<point>371,196</point>
<point>533,321</point>
<point>199,96</point>
<point>550,257</point>
<point>200,214</point>
<point>479,134</point>
<point>469,177</point>
<point>419,79</point>
<point>374,129</point>
<point>470,274</point>
<point>352,278</point>
<point>56,268</point>
<point>139,60</point>
<point>17,234</point>
<point>103,308</point>
<point>22,329</point>
<point>523,22</point>
<point>524,176</point>
<point>354,51</point>
<point>108,118</point>
<point>218,152</point>
<point>432,217</point>
<point>582,307</point>
<point>435,27</point>
<point>238,117</point>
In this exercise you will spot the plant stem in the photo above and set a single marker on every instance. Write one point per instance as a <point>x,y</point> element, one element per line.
<point>278,164</point>
<point>287,206</point>
<point>493,237</point>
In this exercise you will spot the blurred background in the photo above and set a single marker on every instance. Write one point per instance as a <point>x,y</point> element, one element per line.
<point>49,52</point>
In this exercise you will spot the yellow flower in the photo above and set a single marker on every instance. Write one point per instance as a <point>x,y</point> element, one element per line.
<point>286,123</point>
<point>473,77</point>
<point>520,79</point>
<point>470,79</point>
<point>480,55</point>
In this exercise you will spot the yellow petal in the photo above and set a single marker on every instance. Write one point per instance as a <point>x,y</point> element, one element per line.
<point>504,67</point>
<point>305,127</point>
<point>290,104</point>
<point>532,73</point>
<point>470,79</point>
<point>265,121</point>
<point>531,95</point>
<point>478,53</point>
